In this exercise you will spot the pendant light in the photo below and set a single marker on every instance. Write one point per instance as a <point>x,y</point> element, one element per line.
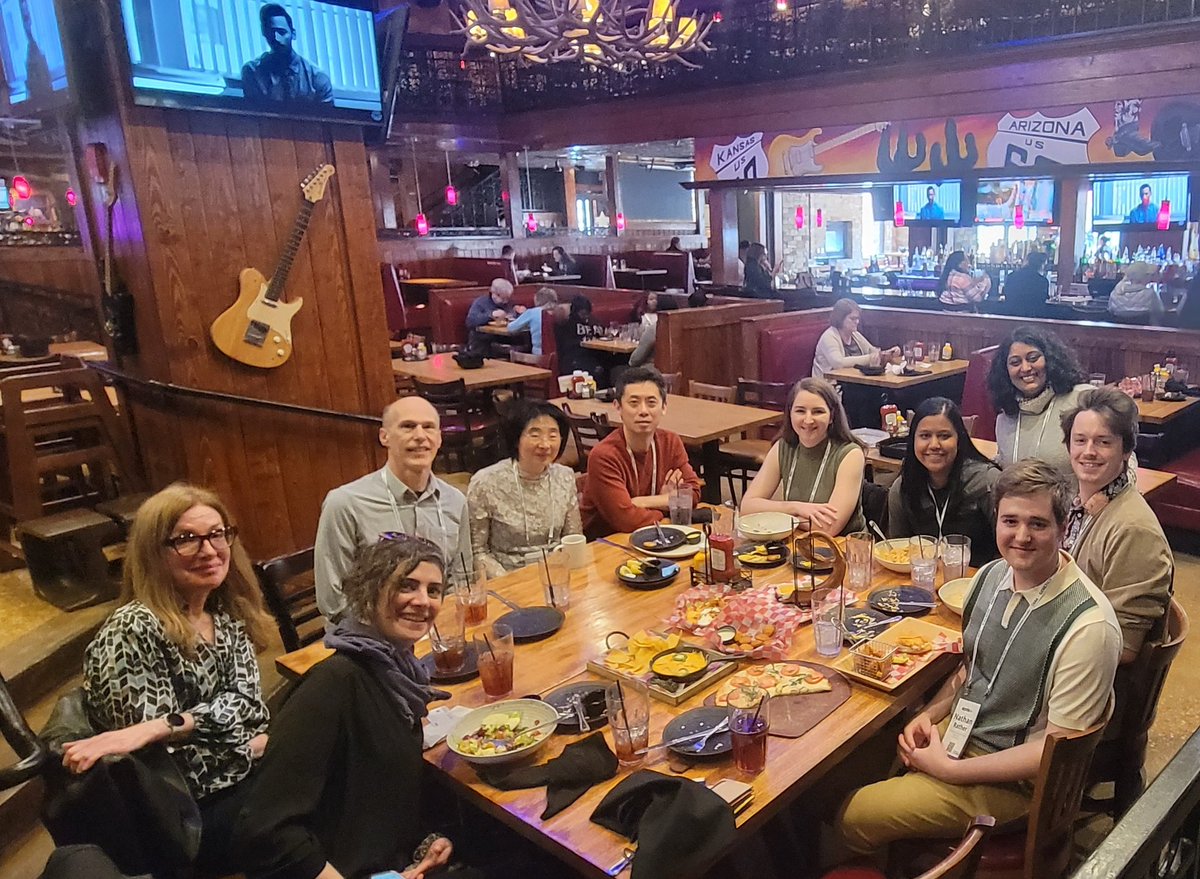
<point>531,222</point>
<point>799,216</point>
<point>820,218</point>
<point>898,216</point>
<point>1019,216</point>
<point>451,192</point>
<point>620,222</point>
<point>1164,216</point>
<point>421,223</point>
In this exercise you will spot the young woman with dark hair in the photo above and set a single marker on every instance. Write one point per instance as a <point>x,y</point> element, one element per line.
<point>945,483</point>
<point>958,289</point>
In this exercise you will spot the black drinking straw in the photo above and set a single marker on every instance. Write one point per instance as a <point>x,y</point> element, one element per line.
<point>621,696</point>
<point>549,581</point>
<point>491,649</point>
<point>462,557</point>
<point>754,720</point>
<point>795,554</point>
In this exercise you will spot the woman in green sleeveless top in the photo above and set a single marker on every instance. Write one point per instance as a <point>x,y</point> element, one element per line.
<point>816,467</point>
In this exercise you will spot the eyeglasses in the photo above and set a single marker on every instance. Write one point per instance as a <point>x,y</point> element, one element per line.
<point>188,544</point>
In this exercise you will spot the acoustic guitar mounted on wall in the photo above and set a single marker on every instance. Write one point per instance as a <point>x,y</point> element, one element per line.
<point>257,329</point>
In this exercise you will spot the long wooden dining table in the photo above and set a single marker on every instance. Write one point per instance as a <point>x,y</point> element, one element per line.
<point>600,605</point>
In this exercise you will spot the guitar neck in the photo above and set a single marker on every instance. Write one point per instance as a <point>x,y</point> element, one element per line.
<point>279,279</point>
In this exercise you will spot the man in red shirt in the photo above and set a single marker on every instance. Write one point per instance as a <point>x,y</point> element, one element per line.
<point>632,471</point>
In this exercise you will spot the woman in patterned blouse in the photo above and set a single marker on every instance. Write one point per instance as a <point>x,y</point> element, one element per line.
<point>524,504</point>
<point>176,664</point>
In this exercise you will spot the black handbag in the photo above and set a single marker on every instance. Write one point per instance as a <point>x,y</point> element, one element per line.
<point>136,807</point>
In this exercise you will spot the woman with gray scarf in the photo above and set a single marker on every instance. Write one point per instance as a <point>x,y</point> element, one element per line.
<point>338,791</point>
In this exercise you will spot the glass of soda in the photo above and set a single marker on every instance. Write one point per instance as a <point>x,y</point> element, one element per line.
<point>749,728</point>
<point>494,654</point>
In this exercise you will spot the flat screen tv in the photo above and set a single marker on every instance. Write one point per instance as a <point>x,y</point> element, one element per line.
<point>930,202</point>
<point>1134,201</point>
<point>31,51</point>
<point>996,201</point>
<point>307,59</point>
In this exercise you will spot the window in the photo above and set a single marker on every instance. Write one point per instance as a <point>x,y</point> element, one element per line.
<point>838,238</point>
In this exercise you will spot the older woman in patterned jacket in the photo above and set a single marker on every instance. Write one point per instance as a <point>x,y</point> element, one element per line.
<point>176,664</point>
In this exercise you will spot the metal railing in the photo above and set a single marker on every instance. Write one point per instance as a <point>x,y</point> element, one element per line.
<point>757,43</point>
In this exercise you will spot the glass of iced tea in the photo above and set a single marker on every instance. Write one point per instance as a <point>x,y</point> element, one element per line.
<point>475,596</point>
<point>447,636</point>
<point>749,728</point>
<point>494,654</point>
<point>628,708</point>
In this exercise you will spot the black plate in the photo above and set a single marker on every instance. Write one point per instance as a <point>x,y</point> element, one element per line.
<point>695,721</point>
<point>777,547</point>
<point>902,593</point>
<point>825,560</point>
<point>681,679</point>
<point>869,370</point>
<point>856,617</point>
<point>648,580</point>
<point>469,670</point>
<point>592,694</point>
<point>533,623</point>
<point>647,539</point>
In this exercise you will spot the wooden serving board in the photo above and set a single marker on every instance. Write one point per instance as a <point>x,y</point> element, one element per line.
<point>901,674</point>
<point>716,672</point>
<point>793,716</point>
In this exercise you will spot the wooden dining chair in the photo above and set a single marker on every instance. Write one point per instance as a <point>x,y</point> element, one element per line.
<point>716,393</point>
<point>961,863</point>
<point>587,431</point>
<point>539,390</point>
<point>290,591</point>
<point>743,457</point>
<point>470,427</point>
<point>673,381</point>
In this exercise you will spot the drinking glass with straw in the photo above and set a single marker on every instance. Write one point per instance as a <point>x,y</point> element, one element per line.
<point>555,574</point>
<point>474,593</point>
<point>494,652</point>
<point>749,728</point>
<point>923,557</point>
<point>628,707</point>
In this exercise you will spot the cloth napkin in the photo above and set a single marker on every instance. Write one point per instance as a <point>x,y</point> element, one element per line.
<point>439,722</point>
<point>567,777</point>
<point>680,825</point>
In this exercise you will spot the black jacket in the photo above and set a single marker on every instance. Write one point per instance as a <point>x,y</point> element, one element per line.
<point>1026,290</point>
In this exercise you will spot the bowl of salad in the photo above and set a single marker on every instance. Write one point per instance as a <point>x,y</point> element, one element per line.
<point>503,731</point>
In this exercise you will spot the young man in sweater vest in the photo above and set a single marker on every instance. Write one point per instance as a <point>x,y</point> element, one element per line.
<point>1040,649</point>
<point>632,471</point>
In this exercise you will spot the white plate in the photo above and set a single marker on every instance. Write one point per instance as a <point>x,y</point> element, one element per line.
<point>954,593</point>
<point>533,712</point>
<point>894,567</point>
<point>766,526</point>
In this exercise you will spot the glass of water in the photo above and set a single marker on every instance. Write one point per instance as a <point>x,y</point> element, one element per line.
<point>860,559</point>
<point>956,556</point>
<point>827,622</point>
<point>923,556</point>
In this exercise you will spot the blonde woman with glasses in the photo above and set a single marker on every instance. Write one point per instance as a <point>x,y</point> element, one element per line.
<point>176,663</point>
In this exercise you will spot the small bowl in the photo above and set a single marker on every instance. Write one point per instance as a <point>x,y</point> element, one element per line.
<point>894,567</point>
<point>762,527</point>
<point>534,712</point>
<point>681,678</point>
<point>954,593</point>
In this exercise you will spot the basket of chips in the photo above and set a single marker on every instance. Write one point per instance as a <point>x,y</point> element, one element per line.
<point>873,658</point>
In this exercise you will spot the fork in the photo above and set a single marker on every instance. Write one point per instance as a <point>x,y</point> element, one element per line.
<point>719,728</point>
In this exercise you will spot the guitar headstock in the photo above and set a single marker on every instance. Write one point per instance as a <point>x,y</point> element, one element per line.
<point>313,186</point>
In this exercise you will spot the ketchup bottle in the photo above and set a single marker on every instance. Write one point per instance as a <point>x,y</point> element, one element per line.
<point>720,546</point>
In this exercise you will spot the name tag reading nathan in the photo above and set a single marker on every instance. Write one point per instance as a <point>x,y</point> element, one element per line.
<point>962,721</point>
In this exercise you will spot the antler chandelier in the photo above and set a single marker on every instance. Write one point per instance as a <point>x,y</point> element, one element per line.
<point>604,33</point>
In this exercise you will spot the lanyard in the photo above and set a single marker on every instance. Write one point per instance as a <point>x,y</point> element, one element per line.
<point>939,512</point>
<point>637,479</point>
<point>1017,433</point>
<point>387,490</point>
<point>787,486</point>
<point>1011,638</point>
<point>525,514</point>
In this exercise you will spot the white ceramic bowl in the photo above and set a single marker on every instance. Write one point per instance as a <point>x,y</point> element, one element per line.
<point>894,543</point>
<point>766,526</point>
<point>954,593</point>
<point>533,712</point>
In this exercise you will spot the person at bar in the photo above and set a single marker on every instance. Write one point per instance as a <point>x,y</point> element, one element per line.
<point>945,483</point>
<point>1040,650</point>
<point>817,462</point>
<point>1027,289</point>
<point>526,503</point>
<point>957,287</point>
<point>1135,299</point>
<point>1034,378</point>
<point>175,664</point>
<point>1112,533</point>
<point>338,793</point>
<point>843,345</point>
<point>759,280</point>
<point>530,320</point>
<point>496,304</point>
<point>643,354</point>
<point>632,471</point>
<point>403,496</point>
<point>673,246</point>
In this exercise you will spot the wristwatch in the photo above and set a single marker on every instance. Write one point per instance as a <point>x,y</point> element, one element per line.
<point>175,723</point>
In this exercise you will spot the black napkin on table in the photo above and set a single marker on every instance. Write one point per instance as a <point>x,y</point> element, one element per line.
<point>679,824</point>
<point>567,777</point>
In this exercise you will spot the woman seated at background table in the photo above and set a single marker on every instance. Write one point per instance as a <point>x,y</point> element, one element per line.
<point>1111,532</point>
<point>643,354</point>
<point>759,280</point>
<point>1034,378</point>
<point>176,664</point>
<point>957,287</point>
<point>338,793</point>
<point>945,483</point>
<point>817,464</point>
<point>571,334</point>
<point>524,504</point>
<point>562,262</point>
<point>843,345</point>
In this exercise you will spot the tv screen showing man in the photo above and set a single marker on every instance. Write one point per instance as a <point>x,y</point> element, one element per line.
<point>931,210</point>
<point>1145,212</point>
<point>280,75</point>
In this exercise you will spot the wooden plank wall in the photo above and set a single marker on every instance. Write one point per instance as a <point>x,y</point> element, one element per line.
<point>203,196</point>
<point>705,344</point>
<point>67,269</point>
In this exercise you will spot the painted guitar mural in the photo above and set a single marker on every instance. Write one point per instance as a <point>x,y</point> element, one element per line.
<point>257,329</point>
